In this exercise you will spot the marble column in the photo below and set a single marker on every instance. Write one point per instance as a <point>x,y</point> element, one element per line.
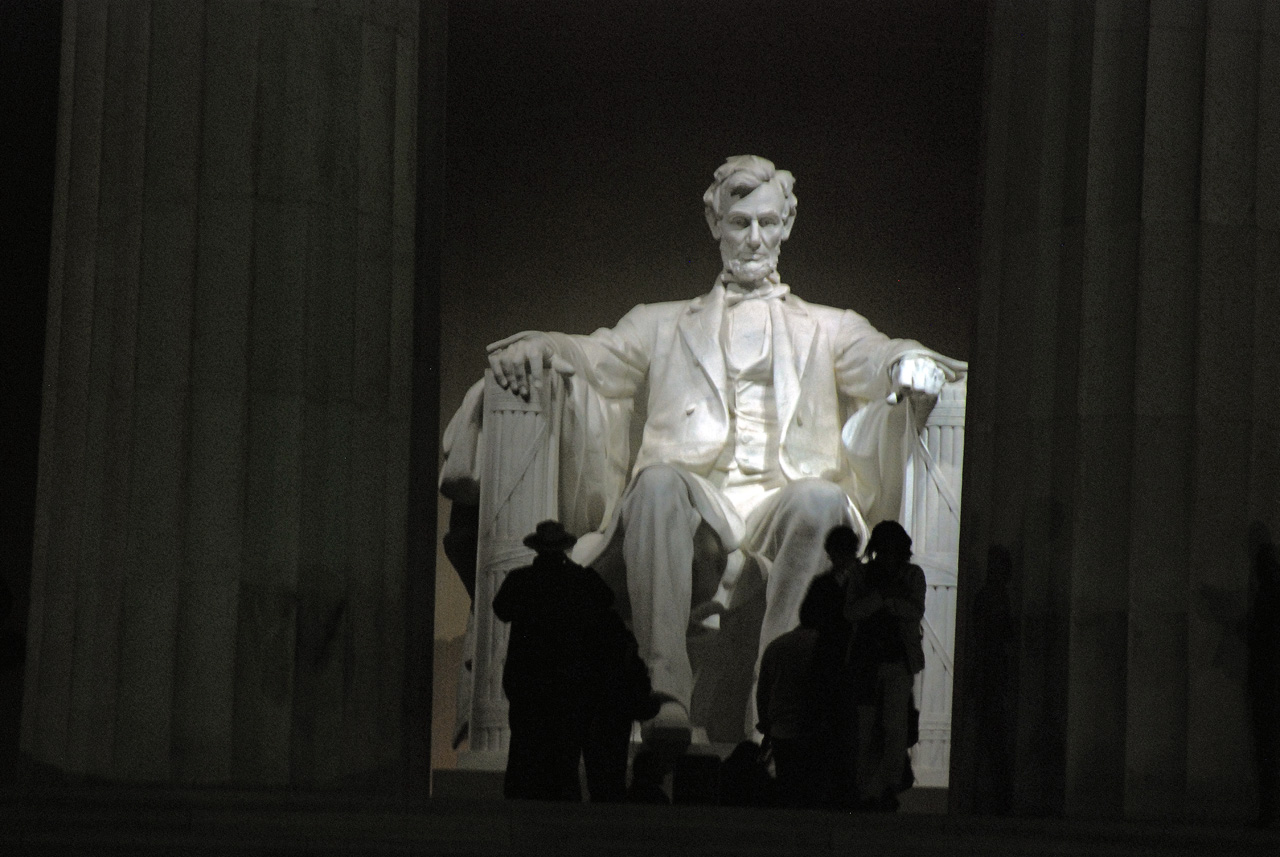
<point>219,580</point>
<point>1123,420</point>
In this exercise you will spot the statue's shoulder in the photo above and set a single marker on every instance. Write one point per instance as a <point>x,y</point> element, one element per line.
<point>665,307</point>
<point>663,310</point>
<point>823,314</point>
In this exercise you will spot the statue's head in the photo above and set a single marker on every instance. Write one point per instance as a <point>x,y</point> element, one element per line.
<point>750,207</point>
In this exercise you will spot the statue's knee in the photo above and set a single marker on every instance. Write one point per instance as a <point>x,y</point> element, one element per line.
<point>658,490</point>
<point>823,501</point>
<point>660,480</point>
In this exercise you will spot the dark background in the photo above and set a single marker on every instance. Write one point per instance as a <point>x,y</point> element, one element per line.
<point>29,40</point>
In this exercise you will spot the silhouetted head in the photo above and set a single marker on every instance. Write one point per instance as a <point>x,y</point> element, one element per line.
<point>841,544</point>
<point>550,537</point>
<point>889,541</point>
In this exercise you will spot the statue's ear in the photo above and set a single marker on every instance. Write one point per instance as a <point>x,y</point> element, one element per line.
<point>713,222</point>
<point>787,224</point>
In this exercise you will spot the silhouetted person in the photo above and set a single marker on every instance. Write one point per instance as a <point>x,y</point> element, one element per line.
<point>794,704</point>
<point>555,608</point>
<point>744,777</point>
<point>1264,678</point>
<point>995,634</point>
<point>831,675</point>
<point>802,701</point>
<point>647,774</point>
<point>620,694</point>
<point>885,607</point>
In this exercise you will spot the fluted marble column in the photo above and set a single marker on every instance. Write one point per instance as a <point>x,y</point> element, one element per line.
<point>1123,417</point>
<point>220,564</point>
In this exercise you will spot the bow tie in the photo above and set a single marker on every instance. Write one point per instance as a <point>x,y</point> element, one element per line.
<point>732,298</point>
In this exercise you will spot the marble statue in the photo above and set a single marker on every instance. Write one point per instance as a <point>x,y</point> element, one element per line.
<point>770,420</point>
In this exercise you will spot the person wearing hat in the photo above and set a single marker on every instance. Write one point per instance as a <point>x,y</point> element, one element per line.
<point>556,609</point>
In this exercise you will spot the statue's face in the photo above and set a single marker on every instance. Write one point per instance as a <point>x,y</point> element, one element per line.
<point>751,234</point>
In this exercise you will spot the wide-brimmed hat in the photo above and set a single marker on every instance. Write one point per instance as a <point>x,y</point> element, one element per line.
<point>550,535</point>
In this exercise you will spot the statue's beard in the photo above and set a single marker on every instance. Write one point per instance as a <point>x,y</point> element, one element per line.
<point>746,272</point>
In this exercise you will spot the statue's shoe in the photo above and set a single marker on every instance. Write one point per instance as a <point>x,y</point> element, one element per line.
<point>706,617</point>
<point>670,730</point>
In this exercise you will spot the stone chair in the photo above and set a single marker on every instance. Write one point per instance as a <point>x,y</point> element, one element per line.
<point>510,464</point>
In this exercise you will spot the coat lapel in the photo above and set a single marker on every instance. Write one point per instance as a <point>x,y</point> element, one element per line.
<point>700,328</point>
<point>792,345</point>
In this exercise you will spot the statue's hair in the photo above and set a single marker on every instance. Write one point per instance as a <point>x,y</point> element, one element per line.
<point>739,175</point>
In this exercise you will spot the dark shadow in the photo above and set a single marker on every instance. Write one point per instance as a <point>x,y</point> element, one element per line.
<point>1264,670</point>
<point>995,635</point>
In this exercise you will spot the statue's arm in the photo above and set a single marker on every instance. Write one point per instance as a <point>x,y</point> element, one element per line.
<point>612,361</point>
<point>870,366</point>
<point>869,374</point>
<point>459,473</point>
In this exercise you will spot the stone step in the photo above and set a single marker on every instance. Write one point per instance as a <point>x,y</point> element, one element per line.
<point>463,784</point>
<point>144,822</point>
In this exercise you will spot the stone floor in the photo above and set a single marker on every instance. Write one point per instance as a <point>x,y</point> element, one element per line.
<point>72,823</point>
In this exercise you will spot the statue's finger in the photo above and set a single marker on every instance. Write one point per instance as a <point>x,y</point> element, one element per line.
<point>495,366</point>
<point>505,342</point>
<point>559,364</point>
<point>519,372</point>
<point>501,373</point>
<point>535,372</point>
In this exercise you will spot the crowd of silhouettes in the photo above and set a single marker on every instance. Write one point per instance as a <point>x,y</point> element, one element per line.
<point>834,697</point>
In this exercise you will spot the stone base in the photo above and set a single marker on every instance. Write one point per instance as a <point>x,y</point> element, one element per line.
<point>692,781</point>
<point>145,822</point>
<point>464,784</point>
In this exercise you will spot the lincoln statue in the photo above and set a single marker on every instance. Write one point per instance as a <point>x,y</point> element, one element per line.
<point>770,420</point>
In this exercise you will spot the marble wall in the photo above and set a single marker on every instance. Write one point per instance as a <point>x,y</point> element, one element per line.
<point>219,577</point>
<point>1122,421</point>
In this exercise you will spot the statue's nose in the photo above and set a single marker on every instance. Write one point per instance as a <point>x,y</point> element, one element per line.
<point>754,237</point>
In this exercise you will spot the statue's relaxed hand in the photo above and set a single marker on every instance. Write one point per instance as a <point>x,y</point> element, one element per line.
<point>519,361</point>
